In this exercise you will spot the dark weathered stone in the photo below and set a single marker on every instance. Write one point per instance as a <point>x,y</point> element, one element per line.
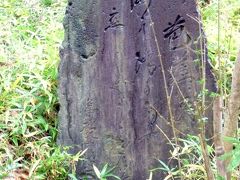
<point>111,76</point>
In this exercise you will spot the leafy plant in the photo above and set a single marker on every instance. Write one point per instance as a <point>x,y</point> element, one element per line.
<point>30,35</point>
<point>190,155</point>
<point>234,155</point>
<point>58,165</point>
<point>47,2</point>
<point>105,173</point>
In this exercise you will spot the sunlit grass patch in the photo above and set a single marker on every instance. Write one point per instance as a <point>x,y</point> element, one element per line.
<point>30,35</point>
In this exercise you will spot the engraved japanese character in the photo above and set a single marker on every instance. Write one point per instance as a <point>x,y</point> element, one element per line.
<point>135,2</point>
<point>139,62</point>
<point>142,28</point>
<point>176,33</point>
<point>143,21</point>
<point>174,30</point>
<point>146,10</point>
<point>114,20</point>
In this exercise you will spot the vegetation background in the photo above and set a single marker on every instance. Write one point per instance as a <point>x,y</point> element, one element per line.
<point>31,33</point>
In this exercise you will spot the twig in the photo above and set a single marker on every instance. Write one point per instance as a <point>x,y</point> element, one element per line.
<point>206,160</point>
<point>164,119</point>
<point>165,84</point>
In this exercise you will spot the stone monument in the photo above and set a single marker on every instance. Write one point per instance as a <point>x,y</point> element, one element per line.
<point>120,61</point>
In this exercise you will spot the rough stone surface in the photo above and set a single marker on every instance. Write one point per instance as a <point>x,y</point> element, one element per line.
<point>111,78</point>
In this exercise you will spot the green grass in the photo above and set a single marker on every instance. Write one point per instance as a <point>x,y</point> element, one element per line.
<point>30,35</point>
<point>229,28</point>
<point>229,35</point>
